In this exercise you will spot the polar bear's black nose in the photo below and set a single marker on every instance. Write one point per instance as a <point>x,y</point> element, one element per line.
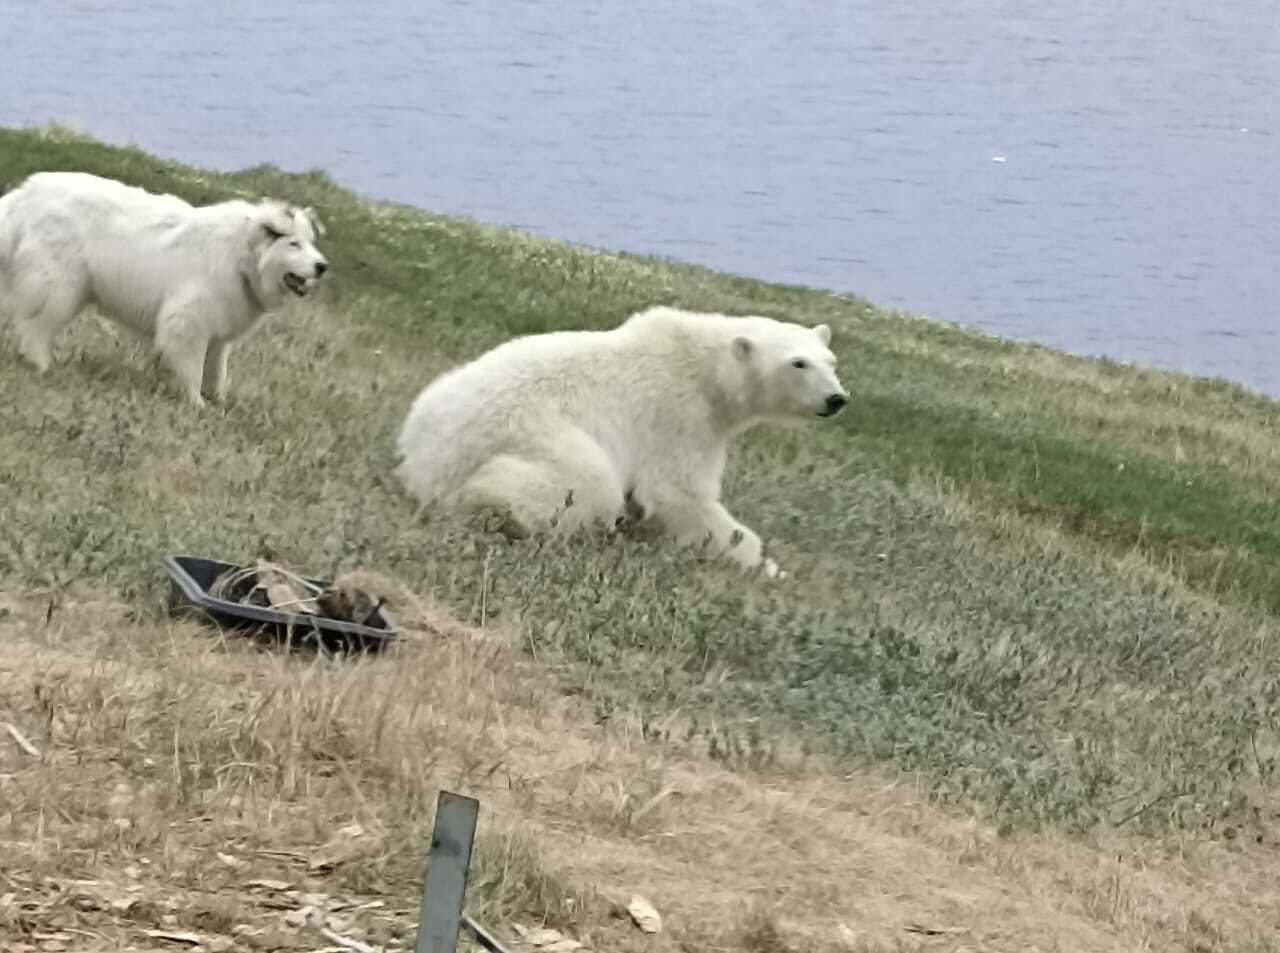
<point>835,402</point>
<point>321,268</point>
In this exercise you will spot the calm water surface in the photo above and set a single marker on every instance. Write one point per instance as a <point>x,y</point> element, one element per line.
<point>1100,176</point>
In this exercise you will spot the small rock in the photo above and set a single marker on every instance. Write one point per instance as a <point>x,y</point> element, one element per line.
<point>338,923</point>
<point>268,884</point>
<point>644,915</point>
<point>176,936</point>
<point>348,844</point>
<point>551,941</point>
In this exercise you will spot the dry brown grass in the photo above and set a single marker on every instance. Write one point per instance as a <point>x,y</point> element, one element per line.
<point>189,786</point>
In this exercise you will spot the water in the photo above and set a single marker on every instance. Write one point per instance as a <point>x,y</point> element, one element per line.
<point>851,146</point>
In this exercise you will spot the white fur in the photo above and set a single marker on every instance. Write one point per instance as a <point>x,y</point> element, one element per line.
<point>642,414</point>
<point>190,279</point>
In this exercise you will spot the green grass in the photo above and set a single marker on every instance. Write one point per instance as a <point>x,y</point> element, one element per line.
<point>1044,584</point>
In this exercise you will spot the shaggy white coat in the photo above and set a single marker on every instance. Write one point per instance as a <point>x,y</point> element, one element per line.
<point>190,279</point>
<point>641,415</point>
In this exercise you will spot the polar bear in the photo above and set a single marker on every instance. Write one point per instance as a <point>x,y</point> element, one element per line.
<point>607,422</point>
<point>190,279</point>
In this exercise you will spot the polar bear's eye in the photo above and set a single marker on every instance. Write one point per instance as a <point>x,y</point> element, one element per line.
<point>800,363</point>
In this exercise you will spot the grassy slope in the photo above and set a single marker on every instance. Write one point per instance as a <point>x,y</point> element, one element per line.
<point>1043,584</point>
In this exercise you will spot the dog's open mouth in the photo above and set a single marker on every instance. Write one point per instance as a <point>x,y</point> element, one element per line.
<point>296,284</point>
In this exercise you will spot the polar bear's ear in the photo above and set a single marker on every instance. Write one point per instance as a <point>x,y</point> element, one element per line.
<point>824,333</point>
<point>742,347</point>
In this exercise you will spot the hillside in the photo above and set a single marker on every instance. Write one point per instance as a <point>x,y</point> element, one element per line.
<point>1020,688</point>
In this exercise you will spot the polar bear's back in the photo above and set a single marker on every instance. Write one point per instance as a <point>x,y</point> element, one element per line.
<point>527,372</point>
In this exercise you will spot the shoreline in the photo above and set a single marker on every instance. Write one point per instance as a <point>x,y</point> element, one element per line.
<point>74,133</point>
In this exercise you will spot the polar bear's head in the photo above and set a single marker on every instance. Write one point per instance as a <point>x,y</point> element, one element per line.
<point>284,259</point>
<point>793,368</point>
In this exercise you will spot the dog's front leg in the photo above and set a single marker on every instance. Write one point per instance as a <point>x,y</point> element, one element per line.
<point>185,354</point>
<point>214,386</point>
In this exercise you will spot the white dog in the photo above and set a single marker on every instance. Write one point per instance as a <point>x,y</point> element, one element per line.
<point>191,279</point>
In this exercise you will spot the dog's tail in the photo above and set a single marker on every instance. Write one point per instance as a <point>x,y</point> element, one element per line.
<point>8,237</point>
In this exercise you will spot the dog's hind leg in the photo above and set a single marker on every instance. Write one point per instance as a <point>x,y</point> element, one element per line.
<point>40,310</point>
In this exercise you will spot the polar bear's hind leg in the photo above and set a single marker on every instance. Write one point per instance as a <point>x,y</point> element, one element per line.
<point>566,488</point>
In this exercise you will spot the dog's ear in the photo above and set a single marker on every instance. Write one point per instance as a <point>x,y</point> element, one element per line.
<point>265,225</point>
<point>316,224</point>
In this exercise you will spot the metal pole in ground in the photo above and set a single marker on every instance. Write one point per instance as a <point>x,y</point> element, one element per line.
<point>446,880</point>
<point>483,936</point>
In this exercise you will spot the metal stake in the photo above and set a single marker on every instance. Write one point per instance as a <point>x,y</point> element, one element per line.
<point>483,936</point>
<point>447,866</point>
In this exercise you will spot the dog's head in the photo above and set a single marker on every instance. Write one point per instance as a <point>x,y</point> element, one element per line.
<point>285,259</point>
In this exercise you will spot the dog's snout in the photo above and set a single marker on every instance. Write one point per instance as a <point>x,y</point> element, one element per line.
<point>321,268</point>
<point>835,402</point>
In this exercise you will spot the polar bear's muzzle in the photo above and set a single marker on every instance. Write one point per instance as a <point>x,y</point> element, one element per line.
<point>833,405</point>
